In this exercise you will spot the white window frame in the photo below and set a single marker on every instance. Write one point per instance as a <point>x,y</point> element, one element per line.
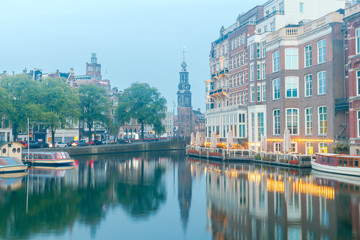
<point>263,69</point>
<point>252,73</point>
<point>258,71</point>
<point>322,87</point>
<point>291,58</point>
<point>276,61</point>
<point>308,146</point>
<point>296,147</point>
<point>276,119</point>
<point>252,93</point>
<point>358,83</point>
<point>308,129</point>
<point>322,146</point>
<point>308,56</point>
<point>277,147</point>
<point>321,46</point>
<point>251,51</point>
<point>258,50</point>
<point>358,123</point>
<point>294,82</point>
<point>357,40</point>
<point>320,131</point>
<point>308,83</point>
<point>292,115</point>
<point>277,88</point>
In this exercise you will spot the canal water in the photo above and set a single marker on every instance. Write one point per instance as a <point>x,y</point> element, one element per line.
<point>167,196</point>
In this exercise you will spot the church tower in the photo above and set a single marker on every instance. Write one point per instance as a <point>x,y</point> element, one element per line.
<point>185,118</point>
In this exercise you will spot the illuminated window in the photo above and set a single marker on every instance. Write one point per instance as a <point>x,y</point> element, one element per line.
<point>323,147</point>
<point>309,150</point>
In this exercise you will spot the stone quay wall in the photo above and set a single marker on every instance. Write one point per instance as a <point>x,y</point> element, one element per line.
<point>121,148</point>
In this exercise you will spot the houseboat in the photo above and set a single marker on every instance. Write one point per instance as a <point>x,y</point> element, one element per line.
<point>48,158</point>
<point>337,163</point>
<point>11,165</point>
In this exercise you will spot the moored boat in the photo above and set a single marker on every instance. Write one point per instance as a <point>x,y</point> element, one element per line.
<point>11,165</point>
<point>48,158</point>
<point>337,163</point>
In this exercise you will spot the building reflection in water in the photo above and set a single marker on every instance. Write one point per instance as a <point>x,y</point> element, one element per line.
<point>52,200</point>
<point>184,191</point>
<point>257,202</point>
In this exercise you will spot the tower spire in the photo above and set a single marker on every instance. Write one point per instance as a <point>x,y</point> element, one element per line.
<point>183,64</point>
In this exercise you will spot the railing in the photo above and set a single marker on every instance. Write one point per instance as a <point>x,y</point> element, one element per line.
<point>285,159</point>
<point>219,73</point>
<point>219,91</point>
<point>277,12</point>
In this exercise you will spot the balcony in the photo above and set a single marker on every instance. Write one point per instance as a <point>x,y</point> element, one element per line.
<point>341,104</point>
<point>219,73</point>
<point>219,92</point>
<point>277,12</point>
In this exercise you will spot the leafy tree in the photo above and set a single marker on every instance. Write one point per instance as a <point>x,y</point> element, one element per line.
<point>23,101</point>
<point>60,102</point>
<point>94,106</point>
<point>143,103</point>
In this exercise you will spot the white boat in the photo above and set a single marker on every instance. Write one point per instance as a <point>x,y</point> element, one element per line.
<point>337,163</point>
<point>11,165</point>
<point>48,158</point>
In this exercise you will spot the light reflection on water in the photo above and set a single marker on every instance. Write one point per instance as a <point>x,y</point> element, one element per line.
<point>165,195</point>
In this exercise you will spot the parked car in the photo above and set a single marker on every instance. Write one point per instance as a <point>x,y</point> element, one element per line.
<point>123,141</point>
<point>60,144</point>
<point>95,142</point>
<point>79,143</point>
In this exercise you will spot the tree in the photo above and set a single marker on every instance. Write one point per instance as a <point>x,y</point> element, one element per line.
<point>143,103</point>
<point>22,101</point>
<point>59,102</point>
<point>94,106</point>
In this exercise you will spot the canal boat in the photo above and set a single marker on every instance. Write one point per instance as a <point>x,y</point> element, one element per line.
<point>48,158</point>
<point>11,165</point>
<point>337,163</point>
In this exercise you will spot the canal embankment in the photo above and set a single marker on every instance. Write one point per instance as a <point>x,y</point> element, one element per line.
<point>174,144</point>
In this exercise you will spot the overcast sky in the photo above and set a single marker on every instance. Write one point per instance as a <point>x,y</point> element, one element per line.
<point>135,41</point>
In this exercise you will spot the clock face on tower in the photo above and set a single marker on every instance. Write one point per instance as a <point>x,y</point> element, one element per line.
<point>187,86</point>
<point>90,68</point>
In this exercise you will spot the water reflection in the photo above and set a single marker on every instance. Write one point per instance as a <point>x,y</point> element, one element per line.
<point>182,198</point>
<point>259,202</point>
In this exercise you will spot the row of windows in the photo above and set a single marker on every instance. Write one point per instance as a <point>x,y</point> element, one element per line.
<point>292,121</point>
<point>239,98</point>
<point>238,60</point>
<point>292,56</point>
<point>309,149</point>
<point>238,79</point>
<point>239,41</point>
<point>292,86</point>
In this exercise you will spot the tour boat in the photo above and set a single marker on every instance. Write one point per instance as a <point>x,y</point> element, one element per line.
<point>337,163</point>
<point>11,165</point>
<point>48,158</point>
